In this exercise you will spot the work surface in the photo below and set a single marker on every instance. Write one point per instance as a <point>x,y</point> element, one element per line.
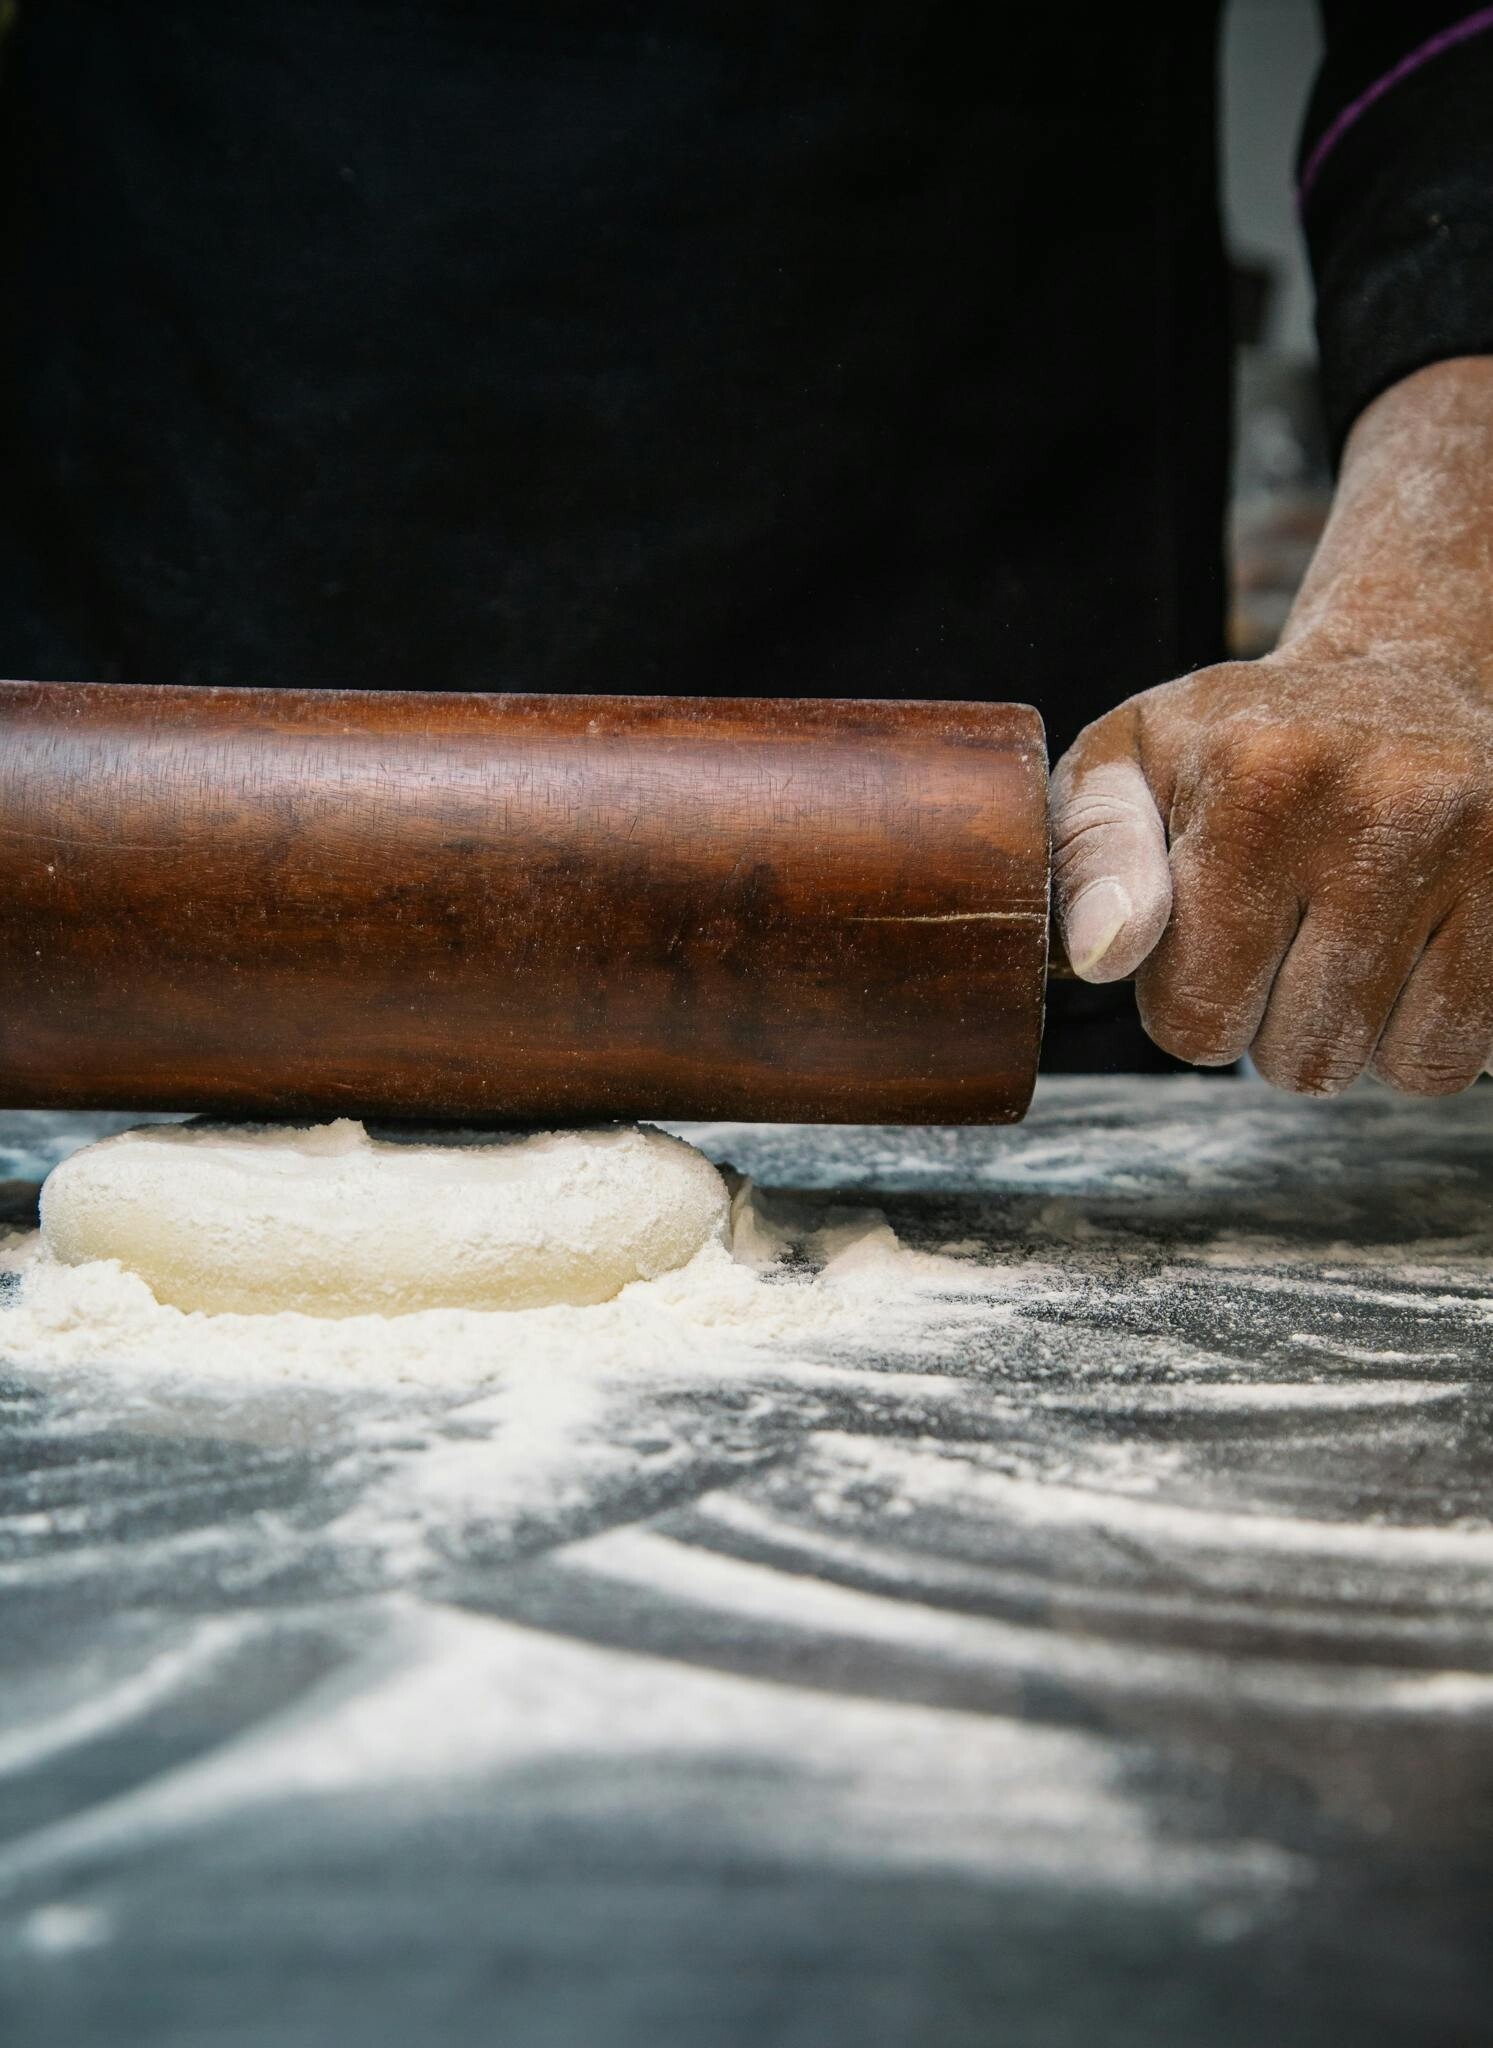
<point>1120,1674</point>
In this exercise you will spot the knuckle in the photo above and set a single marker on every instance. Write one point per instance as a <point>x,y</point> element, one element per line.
<point>1192,1025</point>
<point>1257,792</point>
<point>1427,1070</point>
<point>1472,836</point>
<point>1274,764</point>
<point>1077,840</point>
<point>1307,1066</point>
<point>1389,820</point>
<point>1110,796</point>
<point>1313,1044</point>
<point>1098,811</point>
<point>1425,1081</point>
<point>1401,796</point>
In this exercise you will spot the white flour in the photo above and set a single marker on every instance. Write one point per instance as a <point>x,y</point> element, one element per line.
<point>854,1286</point>
<point>1025,1560</point>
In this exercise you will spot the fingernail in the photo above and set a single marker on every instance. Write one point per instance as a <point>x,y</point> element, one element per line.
<point>1094,921</point>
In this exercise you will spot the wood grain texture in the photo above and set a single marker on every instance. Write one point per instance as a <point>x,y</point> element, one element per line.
<point>505,908</point>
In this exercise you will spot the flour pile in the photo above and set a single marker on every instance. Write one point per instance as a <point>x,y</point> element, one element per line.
<point>742,1281</point>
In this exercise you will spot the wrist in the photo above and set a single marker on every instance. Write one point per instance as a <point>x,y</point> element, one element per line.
<point>1402,570</point>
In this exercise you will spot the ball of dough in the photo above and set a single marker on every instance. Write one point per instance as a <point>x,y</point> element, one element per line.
<point>335,1223</point>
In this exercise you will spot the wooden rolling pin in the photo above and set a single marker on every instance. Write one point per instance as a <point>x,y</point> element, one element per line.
<point>519,908</point>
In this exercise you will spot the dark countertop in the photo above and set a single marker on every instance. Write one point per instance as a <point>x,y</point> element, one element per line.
<point>1119,1673</point>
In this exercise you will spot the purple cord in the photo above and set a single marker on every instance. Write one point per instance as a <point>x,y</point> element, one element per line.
<point>1447,39</point>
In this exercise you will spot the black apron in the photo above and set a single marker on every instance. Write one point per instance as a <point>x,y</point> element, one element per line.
<point>834,349</point>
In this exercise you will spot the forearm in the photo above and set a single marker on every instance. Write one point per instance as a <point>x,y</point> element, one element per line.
<point>1406,561</point>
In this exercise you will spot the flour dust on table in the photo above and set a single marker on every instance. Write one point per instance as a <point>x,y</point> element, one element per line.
<point>1044,1572</point>
<point>268,1252</point>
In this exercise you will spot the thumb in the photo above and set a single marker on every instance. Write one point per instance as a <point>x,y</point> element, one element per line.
<point>1111,879</point>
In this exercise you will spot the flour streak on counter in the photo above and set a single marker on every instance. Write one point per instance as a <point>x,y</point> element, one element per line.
<point>1100,1508</point>
<point>850,1285</point>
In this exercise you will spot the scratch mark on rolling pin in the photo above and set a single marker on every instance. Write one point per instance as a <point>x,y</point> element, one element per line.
<point>78,845</point>
<point>961,917</point>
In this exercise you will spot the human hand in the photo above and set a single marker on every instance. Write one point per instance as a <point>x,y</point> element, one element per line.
<point>1294,855</point>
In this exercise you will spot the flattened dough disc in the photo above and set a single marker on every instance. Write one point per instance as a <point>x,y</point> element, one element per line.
<point>335,1223</point>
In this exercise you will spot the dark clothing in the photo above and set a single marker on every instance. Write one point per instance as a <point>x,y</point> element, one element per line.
<point>838,349</point>
<point>847,348</point>
<point>1397,157</point>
